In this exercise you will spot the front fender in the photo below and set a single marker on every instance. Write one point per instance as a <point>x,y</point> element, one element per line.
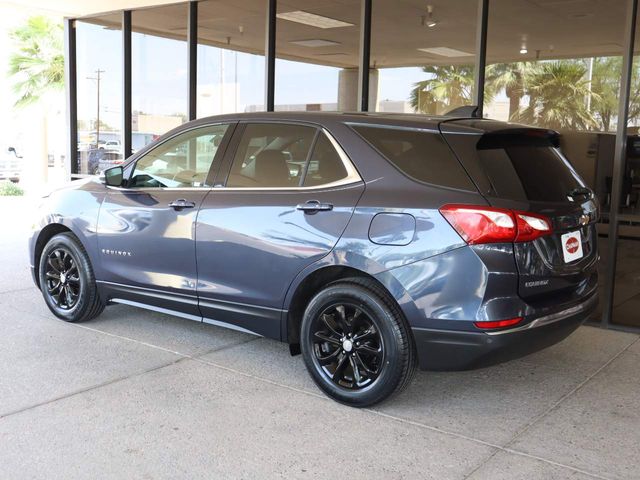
<point>75,209</point>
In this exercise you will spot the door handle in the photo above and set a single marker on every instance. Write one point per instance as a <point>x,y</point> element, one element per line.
<point>181,203</point>
<point>313,206</point>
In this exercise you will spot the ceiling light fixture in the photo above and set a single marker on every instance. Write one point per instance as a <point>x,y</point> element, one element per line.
<point>428,20</point>
<point>445,52</point>
<point>523,49</point>
<point>312,19</point>
<point>315,43</point>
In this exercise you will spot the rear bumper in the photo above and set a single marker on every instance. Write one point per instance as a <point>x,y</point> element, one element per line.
<point>462,350</point>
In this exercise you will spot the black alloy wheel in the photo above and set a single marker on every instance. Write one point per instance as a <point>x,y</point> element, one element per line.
<point>348,346</point>
<point>62,278</point>
<point>67,281</point>
<point>356,343</point>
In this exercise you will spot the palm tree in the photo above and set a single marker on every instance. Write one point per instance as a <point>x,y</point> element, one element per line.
<point>511,77</point>
<point>557,91</point>
<point>606,86</point>
<point>450,86</point>
<point>38,62</point>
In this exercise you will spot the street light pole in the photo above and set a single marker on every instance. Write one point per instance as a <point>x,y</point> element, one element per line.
<point>97,79</point>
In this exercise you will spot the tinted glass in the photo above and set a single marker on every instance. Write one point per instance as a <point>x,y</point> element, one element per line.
<point>181,162</point>
<point>422,55</point>
<point>421,155</point>
<point>99,89</point>
<point>271,155</point>
<point>159,72</point>
<point>230,56</point>
<point>325,165</point>
<point>321,54</point>
<point>535,173</point>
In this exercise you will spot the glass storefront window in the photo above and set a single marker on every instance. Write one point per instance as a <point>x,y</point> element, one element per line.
<point>99,80</point>
<point>159,72</point>
<point>558,67</point>
<point>422,55</point>
<point>317,56</point>
<point>626,301</point>
<point>230,76</point>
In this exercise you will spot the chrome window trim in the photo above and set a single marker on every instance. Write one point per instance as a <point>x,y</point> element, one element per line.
<point>352,177</point>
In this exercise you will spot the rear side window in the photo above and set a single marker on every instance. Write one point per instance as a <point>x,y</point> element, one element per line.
<point>422,155</point>
<point>271,155</point>
<point>529,172</point>
<point>325,165</point>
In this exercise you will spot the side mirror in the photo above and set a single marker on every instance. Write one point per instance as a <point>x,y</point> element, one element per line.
<point>13,150</point>
<point>113,177</point>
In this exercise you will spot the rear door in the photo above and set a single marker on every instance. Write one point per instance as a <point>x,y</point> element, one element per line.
<point>282,202</point>
<point>523,169</point>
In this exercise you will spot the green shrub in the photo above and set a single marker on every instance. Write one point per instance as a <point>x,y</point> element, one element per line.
<point>10,189</point>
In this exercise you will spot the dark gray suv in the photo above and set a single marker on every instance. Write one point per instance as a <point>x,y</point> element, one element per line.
<point>370,243</point>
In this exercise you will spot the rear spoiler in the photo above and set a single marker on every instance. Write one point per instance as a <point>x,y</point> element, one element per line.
<point>519,137</point>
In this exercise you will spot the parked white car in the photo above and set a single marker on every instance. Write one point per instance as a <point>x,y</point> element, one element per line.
<point>10,165</point>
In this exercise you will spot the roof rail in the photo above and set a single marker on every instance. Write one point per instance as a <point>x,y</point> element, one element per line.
<point>464,111</point>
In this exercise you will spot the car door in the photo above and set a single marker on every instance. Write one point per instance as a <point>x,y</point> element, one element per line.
<point>282,200</point>
<point>146,228</point>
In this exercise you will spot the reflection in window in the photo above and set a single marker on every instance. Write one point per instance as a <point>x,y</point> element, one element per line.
<point>99,80</point>
<point>181,162</point>
<point>317,56</point>
<point>271,155</point>
<point>325,165</point>
<point>230,76</point>
<point>422,55</point>
<point>159,72</point>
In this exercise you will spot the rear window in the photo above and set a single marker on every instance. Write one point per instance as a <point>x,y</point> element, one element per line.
<point>422,155</point>
<point>529,172</point>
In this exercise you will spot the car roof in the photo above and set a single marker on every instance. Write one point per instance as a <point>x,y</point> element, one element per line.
<point>399,119</point>
<point>408,120</point>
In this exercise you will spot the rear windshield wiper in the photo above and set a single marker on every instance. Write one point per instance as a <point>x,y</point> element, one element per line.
<point>584,191</point>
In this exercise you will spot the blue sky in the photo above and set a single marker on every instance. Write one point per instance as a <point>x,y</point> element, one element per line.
<point>160,76</point>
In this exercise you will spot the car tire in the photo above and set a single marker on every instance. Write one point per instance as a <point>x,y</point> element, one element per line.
<point>356,343</point>
<point>67,282</point>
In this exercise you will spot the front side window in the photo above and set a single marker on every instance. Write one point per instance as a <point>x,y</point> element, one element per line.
<point>181,162</point>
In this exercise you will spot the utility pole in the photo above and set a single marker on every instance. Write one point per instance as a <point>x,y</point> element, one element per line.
<point>97,79</point>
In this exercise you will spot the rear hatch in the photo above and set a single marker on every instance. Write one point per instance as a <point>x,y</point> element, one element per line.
<point>522,169</point>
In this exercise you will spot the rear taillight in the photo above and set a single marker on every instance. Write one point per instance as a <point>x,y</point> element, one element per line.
<point>479,224</point>
<point>531,226</point>
<point>498,323</point>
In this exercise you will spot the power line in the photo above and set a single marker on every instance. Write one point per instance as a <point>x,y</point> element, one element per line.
<point>97,79</point>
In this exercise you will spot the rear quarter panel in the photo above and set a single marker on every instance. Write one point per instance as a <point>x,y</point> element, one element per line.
<point>444,266</point>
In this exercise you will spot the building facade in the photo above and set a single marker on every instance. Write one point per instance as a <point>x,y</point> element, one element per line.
<point>568,65</point>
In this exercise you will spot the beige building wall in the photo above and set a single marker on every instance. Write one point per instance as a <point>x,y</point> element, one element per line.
<point>155,123</point>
